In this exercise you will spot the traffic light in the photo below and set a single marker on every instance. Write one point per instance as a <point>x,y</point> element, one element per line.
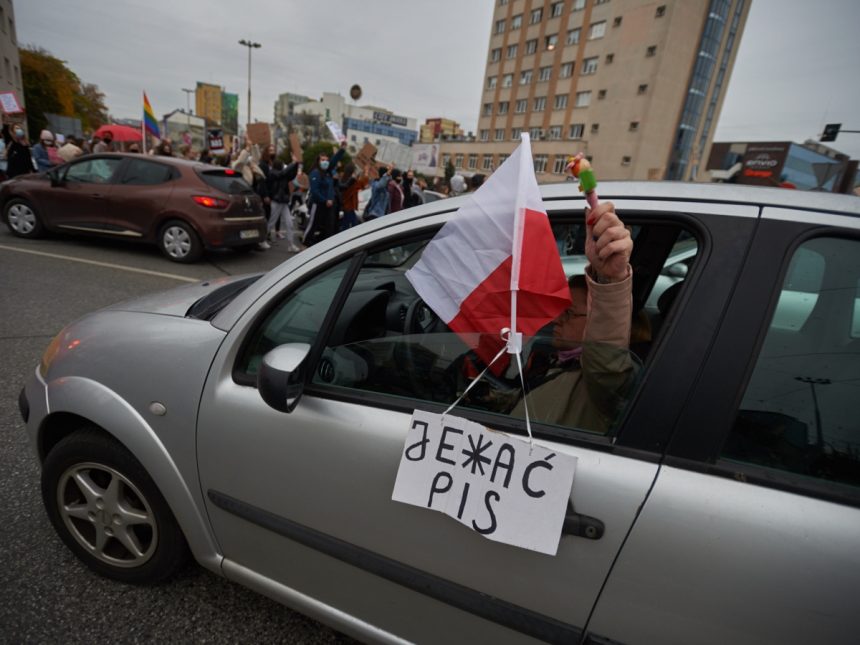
<point>830,132</point>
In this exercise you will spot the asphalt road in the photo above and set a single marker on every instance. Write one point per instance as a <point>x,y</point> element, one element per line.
<point>46,595</point>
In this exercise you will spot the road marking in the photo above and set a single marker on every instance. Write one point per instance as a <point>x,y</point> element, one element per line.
<point>119,267</point>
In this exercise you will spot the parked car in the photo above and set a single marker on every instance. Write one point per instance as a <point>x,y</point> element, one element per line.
<point>181,206</point>
<point>723,505</point>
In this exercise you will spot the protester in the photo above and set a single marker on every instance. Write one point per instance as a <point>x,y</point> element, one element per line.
<point>412,193</point>
<point>588,377</point>
<point>70,150</point>
<point>134,148</point>
<point>475,182</point>
<point>378,204</point>
<point>45,153</point>
<point>350,186</point>
<point>205,156</point>
<point>395,191</point>
<point>458,185</point>
<point>164,148</point>
<point>323,218</point>
<point>106,143</point>
<point>18,154</point>
<point>280,177</point>
<point>247,164</point>
<point>4,165</point>
<point>185,152</point>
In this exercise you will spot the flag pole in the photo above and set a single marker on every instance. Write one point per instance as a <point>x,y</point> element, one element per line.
<point>515,339</point>
<point>143,127</point>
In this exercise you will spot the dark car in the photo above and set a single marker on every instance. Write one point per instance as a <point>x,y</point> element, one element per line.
<point>182,206</point>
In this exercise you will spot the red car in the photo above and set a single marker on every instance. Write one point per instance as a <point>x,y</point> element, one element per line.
<point>182,206</point>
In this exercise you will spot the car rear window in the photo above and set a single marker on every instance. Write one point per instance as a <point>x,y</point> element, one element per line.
<point>226,180</point>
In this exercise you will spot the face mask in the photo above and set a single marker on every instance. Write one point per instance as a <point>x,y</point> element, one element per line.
<point>324,165</point>
<point>296,183</point>
<point>19,133</point>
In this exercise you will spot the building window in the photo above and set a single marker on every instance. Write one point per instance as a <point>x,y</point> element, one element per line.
<point>566,70</point>
<point>560,103</point>
<point>535,133</point>
<point>521,106</point>
<point>491,82</point>
<point>446,159</point>
<point>503,107</point>
<point>495,55</point>
<point>617,22</point>
<point>551,41</point>
<point>531,46</point>
<point>502,3</point>
<point>559,164</point>
<point>500,27</point>
<point>512,51</point>
<point>517,21</point>
<point>610,58</point>
<point>634,126</point>
<point>500,134</point>
<point>661,11</point>
<point>458,160</point>
<point>583,99</point>
<point>473,162</point>
<point>596,2</point>
<point>642,88</point>
<point>536,16</point>
<point>601,94</point>
<point>485,135</point>
<point>526,77</point>
<point>626,161</point>
<point>578,5</point>
<point>554,132</point>
<point>556,9</point>
<point>595,128</point>
<point>576,131</point>
<point>503,158</point>
<point>589,66</point>
<point>515,133</point>
<point>597,30</point>
<point>651,51</point>
<point>488,109</point>
<point>540,163</point>
<point>573,36</point>
<point>545,73</point>
<point>539,104</point>
<point>507,80</point>
<point>488,162</point>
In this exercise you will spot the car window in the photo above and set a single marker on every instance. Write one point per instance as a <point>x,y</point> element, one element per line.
<point>387,341</point>
<point>296,319</point>
<point>92,171</point>
<point>227,181</point>
<point>799,411</point>
<point>146,173</point>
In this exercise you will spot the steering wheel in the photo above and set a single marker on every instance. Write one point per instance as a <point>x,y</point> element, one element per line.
<point>419,319</point>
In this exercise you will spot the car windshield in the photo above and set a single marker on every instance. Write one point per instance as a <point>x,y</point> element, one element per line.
<point>226,180</point>
<point>209,305</point>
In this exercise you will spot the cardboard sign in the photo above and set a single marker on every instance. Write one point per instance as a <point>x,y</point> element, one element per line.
<point>495,484</point>
<point>336,132</point>
<point>295,146</point>
<point>215,141</point>
<point>9,103</point>
<point>365,160</point>
<point>259,133</point>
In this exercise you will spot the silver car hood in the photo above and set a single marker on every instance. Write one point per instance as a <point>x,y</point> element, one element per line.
<point>175,302</point>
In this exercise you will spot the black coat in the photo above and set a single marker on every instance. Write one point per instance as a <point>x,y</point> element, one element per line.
<point>279,183</point>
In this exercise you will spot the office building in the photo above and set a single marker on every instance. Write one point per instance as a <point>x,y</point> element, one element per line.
<point>10,67</point>
<point>636,85</point>
<point>208,101</point>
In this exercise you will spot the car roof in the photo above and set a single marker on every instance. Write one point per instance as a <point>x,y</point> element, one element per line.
<point>172,161</point>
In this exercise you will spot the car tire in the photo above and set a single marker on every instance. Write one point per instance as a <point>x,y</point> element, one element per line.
<point>22,219</point>
<point>109,512</point>
<point>179,242</point>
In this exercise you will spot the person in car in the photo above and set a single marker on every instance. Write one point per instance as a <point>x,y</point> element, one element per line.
<point>586,379</point>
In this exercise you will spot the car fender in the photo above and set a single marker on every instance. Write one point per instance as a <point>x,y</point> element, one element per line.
<point>102,406</point>
<point>170,215</point>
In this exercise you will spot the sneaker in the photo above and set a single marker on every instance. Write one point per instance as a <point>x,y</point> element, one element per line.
<point>294,249</point>
<point>264,246</point>
<point>281,235</point>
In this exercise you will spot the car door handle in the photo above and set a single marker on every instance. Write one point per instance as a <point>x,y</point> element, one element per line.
<point>581,525</point>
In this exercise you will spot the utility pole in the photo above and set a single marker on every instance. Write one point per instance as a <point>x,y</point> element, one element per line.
<point>188,94</point>
<point>250,45</point>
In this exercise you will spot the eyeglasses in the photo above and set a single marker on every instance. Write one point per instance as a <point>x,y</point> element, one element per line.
<point>569,314</point>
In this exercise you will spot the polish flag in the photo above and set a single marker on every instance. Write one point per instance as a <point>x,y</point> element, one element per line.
<point>495,263</point>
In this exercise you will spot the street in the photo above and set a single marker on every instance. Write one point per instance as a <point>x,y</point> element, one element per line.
<point>46,594</point>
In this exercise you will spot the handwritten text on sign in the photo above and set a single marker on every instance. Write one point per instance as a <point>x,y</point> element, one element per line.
<point>489,481</point>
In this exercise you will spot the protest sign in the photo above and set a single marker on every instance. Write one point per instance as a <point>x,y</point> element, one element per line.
<point>259,133</point>
<point>365,159</point>
<point>496,484</point>
<point>9,103</point>
<point>215,141</point>
<point>425,158</point>
<point>295,146</point>
<point>336,132</point>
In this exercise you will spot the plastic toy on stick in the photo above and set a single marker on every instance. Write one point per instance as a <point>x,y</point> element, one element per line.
<point>579,167</point>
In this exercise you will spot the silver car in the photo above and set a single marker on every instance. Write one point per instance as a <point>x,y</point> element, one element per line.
<point>259,422</point>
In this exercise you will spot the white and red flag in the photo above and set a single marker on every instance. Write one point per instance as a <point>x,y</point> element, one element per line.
<point>495,263</point>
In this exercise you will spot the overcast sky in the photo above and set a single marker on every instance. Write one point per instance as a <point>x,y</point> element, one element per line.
<point>796,68</point>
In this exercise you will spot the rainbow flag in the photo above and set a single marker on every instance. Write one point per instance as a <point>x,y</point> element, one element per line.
<point>149,120</point>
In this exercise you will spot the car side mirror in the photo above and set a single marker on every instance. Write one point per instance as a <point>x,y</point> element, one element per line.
<point>677,270</point>
<point>281,376</point>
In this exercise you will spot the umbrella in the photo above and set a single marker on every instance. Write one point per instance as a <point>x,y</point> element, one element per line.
<point>121,133</point>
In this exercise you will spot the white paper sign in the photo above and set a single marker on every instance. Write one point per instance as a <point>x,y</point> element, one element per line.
<point>9,103</point>
<point>336,132</point>
<point>487,480</point>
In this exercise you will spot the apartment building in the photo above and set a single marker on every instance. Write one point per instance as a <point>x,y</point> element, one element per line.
<point>637,85</point>
<point>10,66</point>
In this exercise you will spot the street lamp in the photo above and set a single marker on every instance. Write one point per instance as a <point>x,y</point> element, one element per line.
<point>812,383</point>
<point>188,94</point>
<point>250,45</point>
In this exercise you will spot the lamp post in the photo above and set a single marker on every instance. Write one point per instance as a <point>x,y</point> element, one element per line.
<point>250,45</point>
<point>812,383</point>
<point>188,94</point>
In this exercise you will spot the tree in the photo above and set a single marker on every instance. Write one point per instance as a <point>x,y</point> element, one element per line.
<point>449,172</point>
<point>52,88</point>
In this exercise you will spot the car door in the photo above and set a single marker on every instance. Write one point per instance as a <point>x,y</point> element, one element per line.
<point>760,491</point>
<point>305,499</point>
<point>77,201</point>
<point>142,189</point>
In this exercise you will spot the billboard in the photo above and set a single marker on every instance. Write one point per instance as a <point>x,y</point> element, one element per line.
<point>763,163</point>
<point>230,112</point>
<point>425,158</point>
<point>207,99</point>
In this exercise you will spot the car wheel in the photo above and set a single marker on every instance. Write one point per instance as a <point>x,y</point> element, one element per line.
<point>179,242</point>
<point>22,220</point>
<point>109,512</point>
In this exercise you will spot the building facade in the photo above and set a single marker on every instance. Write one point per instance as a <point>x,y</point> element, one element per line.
<point>637,85</point>
<point>207,101</point>
<point>10,67</point>
<point>437,129</point>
